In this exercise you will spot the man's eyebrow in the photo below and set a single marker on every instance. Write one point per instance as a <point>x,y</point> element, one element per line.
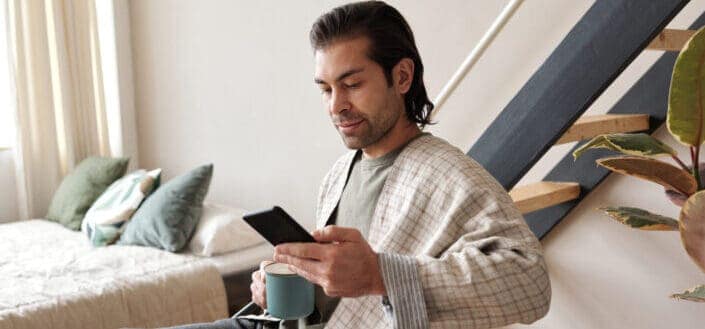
<point>342,76</point>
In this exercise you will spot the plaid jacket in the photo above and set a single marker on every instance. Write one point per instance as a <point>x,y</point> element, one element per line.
<point>449,235</point>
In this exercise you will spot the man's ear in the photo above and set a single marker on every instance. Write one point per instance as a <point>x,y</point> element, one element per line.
<point>403,75</point>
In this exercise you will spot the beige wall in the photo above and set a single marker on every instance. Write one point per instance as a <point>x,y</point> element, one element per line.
<point>8,193</point>
<point>230,82</point>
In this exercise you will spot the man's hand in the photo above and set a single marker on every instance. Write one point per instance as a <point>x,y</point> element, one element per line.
<point>259,293</point>
<point>342,263</point>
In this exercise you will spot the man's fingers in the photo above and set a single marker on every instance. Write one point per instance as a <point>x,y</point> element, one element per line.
<point>300,250</point>
<point>258,294</point>
<point>261,302</point>
<point>306,275</point>
<point>257,287</point>
<point>263,264</point>
<point>307,265</point>
<point>259,274</point>
<point>333,233</point>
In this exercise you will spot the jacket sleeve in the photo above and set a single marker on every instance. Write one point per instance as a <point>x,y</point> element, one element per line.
<point>404,303</point>
<point>494,274</point>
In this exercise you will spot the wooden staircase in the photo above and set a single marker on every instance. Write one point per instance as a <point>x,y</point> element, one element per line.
<point>540,195</point>
<point>670,40</point>
<point>606,39</point>
<point>545,194</point>
<point>595,125</point>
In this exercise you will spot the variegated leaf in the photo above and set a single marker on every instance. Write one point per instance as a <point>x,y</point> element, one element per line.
<point>631,144</point>
<point>692,227</point>
<point>695,294</point>
<point>653,170</point>
<point>686,100</point>
<point>641,219</point>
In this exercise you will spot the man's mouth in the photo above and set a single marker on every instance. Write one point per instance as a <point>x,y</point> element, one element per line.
<point>350,126</point>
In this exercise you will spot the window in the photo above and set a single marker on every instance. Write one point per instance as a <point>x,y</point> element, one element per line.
<point>7,120</point>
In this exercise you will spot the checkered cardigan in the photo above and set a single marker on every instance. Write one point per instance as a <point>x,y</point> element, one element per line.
<point>477,263</point>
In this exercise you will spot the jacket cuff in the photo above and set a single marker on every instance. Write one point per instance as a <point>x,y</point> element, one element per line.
<point>404,301</point>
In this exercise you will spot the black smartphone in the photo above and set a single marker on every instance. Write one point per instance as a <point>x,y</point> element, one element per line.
<point>276,226</point>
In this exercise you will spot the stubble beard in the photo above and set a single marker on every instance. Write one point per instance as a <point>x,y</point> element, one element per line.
<point>373,133</point>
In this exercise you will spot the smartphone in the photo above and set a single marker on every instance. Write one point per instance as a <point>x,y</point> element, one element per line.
<point>276,226</point>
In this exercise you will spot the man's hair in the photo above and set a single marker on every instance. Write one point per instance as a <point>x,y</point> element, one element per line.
<point>390,38</point>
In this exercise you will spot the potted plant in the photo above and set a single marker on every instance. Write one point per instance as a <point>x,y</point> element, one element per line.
<point>683,184</point>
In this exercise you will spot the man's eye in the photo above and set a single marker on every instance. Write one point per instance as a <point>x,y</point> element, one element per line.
<point>325,91</point>
<point>352,85</point>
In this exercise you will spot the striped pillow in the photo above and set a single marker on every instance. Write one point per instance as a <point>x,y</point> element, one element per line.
<point>105,219</point>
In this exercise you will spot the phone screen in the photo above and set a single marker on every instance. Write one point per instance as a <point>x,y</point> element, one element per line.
<point>277,227</point>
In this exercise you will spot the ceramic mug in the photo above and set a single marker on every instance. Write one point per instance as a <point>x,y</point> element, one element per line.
<point>289,296</point>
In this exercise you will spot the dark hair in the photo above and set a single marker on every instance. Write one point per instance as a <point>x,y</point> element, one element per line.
<point>391,40</point>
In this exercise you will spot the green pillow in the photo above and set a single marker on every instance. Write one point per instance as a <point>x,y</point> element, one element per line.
<point>168,217</point>
<point>82,187</point>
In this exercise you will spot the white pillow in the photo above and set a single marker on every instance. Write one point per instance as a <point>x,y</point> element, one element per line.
<point>221,230</point>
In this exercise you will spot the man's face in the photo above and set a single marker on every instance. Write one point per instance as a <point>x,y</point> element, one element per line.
<point>360,102</point>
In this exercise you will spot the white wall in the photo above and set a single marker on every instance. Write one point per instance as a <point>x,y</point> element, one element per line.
<point>8,197</point>
<point>8,190</point>
<point>230,82</point>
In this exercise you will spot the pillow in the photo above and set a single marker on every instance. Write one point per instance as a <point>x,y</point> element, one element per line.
<point>167,218</point>
<point>81,187</point>
<point>106,218</point>
<point>222,230</point>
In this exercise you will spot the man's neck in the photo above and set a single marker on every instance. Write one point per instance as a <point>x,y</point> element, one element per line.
<point>395,138</point>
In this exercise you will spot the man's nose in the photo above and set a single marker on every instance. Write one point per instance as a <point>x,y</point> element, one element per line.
<point>339,102</point>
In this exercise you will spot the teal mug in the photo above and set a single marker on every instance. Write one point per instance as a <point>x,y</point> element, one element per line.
<point>289,296</point>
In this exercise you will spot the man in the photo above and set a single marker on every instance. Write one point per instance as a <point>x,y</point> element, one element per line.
<point>414,234</point>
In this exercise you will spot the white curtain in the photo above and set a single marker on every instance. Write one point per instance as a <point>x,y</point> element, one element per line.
<point>61,117</point>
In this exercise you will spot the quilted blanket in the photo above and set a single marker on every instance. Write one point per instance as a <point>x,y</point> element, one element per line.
<point>51,277</point>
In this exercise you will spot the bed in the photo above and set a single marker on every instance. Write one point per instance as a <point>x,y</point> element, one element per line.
<point>236,269</point>
<point>50,277</point>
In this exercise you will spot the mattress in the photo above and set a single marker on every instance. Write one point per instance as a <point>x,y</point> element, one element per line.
<point>236,268</point>
<point>50,277</point>
<point>242,260</point>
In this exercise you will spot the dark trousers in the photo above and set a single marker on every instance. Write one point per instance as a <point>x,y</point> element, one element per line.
<point>236,324</point>
<point>233,323</point>
<point>223,324</point>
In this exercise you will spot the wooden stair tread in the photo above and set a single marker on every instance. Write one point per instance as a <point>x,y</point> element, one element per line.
<point>541,195</point>
<point>670,40</point>
<point>594,125</point>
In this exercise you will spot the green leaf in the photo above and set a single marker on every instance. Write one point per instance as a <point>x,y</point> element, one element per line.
<point>686,101</point>
<point>695,294</point>
<point>641,219</point>
<point>692,227</point>
<point>631,144</point>
<point>656,171</point>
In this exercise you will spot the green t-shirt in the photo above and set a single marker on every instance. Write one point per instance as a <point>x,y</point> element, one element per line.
<point>357,205</point>
<point>359,199</point>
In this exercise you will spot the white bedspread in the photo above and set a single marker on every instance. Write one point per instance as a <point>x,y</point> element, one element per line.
<point>241,260</point>
<point>50,277</point>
